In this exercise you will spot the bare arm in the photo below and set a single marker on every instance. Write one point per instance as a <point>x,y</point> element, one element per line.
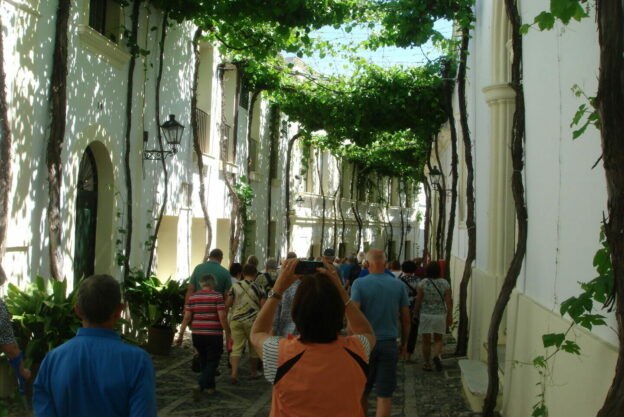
<point>418,301</point>
<point>449,307</point>
<point>189,291</point>
<point>188,316</point>
<point>224,323</point>
<point>261,329</point>
<point>229,301</point>
<point>13,352</point>
<point>406,323</point>
<point>356,320</point>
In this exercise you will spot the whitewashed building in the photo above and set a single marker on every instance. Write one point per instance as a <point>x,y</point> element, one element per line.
<point>566,199</point>
<point>94,191</point>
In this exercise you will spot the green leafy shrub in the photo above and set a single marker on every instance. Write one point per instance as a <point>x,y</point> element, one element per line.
<point>43,316</point>
<point>153,303</point>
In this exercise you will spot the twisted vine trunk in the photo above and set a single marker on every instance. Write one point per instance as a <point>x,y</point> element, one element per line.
<point>441,208</point>
<point>58,114</point>
<point>454,177</point>
<point>428,196</point>
<point>388,222</point>
<point>401,244</point>
<point>275,131</point>
<point>335,211</point>
<point>517,187</point>
<point>250,115</point>
<point>244,214</point>
<point>462,329</point>
<point>6,152</point>
<point>128,136</point>
<point>163,206</point>
<point>291,143</point>
<point>427,188</point>
<point>236,214</point>
<point>196,145</point>
<point>355,208</point>
<point>324,199</point>
<point>342,218</point>
<point>610,104</point>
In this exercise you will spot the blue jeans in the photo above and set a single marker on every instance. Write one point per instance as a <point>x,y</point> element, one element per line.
<point>209,348</point>
<point>382,367</point>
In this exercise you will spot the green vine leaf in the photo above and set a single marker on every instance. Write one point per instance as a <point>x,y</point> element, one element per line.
<point>571,347</point>
<point>553,339</point>
<point>539,361</point>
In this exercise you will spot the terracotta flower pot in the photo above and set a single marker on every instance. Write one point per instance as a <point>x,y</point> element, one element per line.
<point>159,340</point>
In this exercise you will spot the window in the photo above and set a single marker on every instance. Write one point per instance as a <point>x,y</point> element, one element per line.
<point>203,130</point>
<point>342,250</point>
<point>253,155</point>
<point>226,139</point>
<point>391,250</point>
<point>272,236</point>
<point>310,172</point>
<point>408,250</point>
<point>250,239</point>
<point>243,100</point>
<point>105,18</point>
<point>394,201</point>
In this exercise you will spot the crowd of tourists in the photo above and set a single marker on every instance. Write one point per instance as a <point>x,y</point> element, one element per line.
<point>324,334</point>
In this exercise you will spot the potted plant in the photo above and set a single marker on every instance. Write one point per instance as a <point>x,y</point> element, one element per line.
<point>43,317</point>
<point>156,306</point>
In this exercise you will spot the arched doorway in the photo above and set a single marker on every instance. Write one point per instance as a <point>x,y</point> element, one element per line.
<point>86,217</point>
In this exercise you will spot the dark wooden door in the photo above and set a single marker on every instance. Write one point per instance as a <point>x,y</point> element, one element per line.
<point>86,217</point>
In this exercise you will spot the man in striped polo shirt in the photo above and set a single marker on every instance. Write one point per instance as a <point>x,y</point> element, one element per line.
<point>205,311</point>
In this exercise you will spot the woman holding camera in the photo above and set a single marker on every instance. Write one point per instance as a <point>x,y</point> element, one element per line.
<point>320,372</point>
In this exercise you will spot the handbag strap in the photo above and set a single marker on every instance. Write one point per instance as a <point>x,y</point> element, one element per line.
<point>439,293</point>
<point>411,289</point>
<point>255,300</point>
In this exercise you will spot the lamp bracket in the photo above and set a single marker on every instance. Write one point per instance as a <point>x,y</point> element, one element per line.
<point>156,155</point>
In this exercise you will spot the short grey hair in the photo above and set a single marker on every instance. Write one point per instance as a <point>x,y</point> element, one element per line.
<point>271,263</point>
<point>207,280</point>
<point>375,255</point>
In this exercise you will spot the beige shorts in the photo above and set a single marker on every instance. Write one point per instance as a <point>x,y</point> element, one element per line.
<point>240,336</point>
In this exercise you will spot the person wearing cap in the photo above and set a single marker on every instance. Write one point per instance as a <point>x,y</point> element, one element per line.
<point>350,270</point>
<point>267,278</point>
<point>329,256</point>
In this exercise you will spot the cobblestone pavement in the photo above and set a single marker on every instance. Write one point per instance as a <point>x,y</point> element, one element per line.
<point>418,394</point>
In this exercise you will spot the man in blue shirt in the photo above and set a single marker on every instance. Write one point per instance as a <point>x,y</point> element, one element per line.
<point>95,373</point>
<point>382,298</point>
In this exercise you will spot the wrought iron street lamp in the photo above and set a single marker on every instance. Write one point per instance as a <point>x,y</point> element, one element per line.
<point>172,131</point>
<point>435,176</point>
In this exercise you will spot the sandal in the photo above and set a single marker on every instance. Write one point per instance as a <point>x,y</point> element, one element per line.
<point>438,363</point>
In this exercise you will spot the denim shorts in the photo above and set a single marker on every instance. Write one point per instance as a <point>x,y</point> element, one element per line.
<point>382,368</point>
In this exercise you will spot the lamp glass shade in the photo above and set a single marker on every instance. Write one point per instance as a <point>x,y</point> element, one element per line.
<point>172,131</point>
<point>435,176</point>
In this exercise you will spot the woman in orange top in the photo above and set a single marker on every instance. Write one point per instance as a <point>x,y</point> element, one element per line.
<point>319,373</point>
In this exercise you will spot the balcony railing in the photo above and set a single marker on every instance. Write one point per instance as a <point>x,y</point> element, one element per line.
<point>226,135</point>
<point>203,130</point>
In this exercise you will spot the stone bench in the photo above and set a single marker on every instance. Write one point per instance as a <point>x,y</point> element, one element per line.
<point>475,381</point>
